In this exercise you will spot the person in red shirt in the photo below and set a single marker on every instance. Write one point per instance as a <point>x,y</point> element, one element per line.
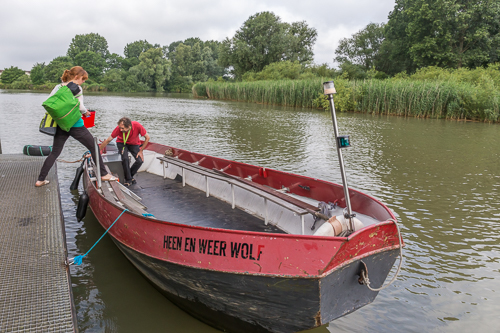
<point>127,139</point>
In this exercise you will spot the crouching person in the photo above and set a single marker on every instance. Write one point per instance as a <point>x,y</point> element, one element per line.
<point>127,135</point>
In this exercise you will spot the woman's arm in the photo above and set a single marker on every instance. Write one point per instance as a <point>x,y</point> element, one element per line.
<point>83,109</point>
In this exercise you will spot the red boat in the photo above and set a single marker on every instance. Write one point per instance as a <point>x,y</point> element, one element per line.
<point>242,247</point>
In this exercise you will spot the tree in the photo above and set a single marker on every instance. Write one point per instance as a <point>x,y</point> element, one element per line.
<point>92,62</point>
<point>193,61</point>
<point>301,40</point>
<point>264,39</point>
<point>22,82</point>
<point>153,68</point>
<point>11,74</point>
<point>89,42</point>
<point>38,73</point>
<point>444,33</point>
<point>134,50</point>
<point>55,69</point>
<point>114,61</point>
<point>115,79</point>
<point>277,71</point>
<point>363,47</point>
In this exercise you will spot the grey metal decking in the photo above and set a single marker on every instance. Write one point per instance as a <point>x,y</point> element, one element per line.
<point>35,285</point>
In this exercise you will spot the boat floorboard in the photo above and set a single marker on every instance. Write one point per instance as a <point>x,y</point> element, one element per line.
<point>168,200</point>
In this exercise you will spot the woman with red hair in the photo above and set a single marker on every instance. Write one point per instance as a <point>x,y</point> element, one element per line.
<point>76,75</point>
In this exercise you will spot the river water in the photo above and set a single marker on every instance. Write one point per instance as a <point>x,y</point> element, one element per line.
<point>441,178</point>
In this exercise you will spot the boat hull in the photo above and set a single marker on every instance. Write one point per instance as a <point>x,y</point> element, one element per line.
<point>253,281</point>
<point>260,303</point>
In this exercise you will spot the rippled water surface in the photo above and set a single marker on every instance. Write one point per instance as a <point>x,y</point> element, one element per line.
<point>441,179</point>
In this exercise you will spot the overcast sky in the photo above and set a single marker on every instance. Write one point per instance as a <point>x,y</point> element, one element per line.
<point>34,31</point>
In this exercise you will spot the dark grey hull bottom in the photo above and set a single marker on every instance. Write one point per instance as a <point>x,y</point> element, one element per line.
<point>253,303</point>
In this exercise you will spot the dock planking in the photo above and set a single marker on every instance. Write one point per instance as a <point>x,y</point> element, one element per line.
<point>35,284</point>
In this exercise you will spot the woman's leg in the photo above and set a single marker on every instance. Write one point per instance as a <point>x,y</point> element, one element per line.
<point>83,136</point>
<point>57,147</point>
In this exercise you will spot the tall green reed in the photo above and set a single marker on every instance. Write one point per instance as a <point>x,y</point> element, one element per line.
<point>403,97</point>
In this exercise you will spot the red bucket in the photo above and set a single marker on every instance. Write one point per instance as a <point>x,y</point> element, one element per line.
<point>89,121</point>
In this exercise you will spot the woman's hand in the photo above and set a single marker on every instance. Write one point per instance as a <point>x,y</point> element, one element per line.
<point>87,114</point>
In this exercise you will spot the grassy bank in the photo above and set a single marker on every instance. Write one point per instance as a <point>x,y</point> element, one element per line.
<point>398,96</point>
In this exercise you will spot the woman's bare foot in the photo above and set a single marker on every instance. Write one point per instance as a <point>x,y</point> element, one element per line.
<point>41,183</point>
<point>109,177</point>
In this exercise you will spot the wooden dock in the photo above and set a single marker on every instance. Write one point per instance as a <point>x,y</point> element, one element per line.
<point>35,284</point>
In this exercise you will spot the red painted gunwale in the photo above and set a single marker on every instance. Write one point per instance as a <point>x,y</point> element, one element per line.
<point>282,255</point>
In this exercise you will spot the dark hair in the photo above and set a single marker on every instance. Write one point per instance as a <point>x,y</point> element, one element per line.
<point>126,122</point>
<point>69,75</point>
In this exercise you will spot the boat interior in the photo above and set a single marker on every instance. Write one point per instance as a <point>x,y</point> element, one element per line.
<point>174,190</point>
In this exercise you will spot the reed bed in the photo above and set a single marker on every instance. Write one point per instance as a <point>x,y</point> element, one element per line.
<point>297,93</point>
<point>404,97</point>
<point>430,99</point>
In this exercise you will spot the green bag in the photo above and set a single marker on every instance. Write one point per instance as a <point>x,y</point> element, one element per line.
<point>63,107</point>
<point>48,125</point>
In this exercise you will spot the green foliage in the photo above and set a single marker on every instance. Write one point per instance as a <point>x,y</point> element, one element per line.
<point>11,74</point>
<point>363,47</point>
<point>55,69</point>
<point>322,70</point>
<point>115,80</point>
<point>443,33</point>
<point>153,69</point>
<point>192,61</point>
<point>290,70</point>
<point>92,62</point>
<point>352,71</point>
<point>321,102</point>
<point>91,42</point>
<point>128,63</point>
<point>276,71</point>
<point>114,61</point>
<point>135,49</point>
<point>264,39</point>
<point>474,76</point>
<point>45,86</point>
<point>94,87</point>
<point>22,82</point>
<point>38,73</point>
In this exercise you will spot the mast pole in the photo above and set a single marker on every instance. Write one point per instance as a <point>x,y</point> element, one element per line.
<point>329,90</point>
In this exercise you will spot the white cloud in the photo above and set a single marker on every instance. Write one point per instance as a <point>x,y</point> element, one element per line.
<point>38,31</point>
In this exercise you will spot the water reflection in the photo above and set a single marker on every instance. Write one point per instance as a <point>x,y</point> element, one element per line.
<point>441,178</point>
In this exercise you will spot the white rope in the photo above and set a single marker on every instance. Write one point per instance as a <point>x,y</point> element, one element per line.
<point>365,278</point>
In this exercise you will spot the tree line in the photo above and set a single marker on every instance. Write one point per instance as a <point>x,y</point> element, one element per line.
<point>143,66</point>
<point>447,34</point>
<point>262,40</point>
<point>450,34</point>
